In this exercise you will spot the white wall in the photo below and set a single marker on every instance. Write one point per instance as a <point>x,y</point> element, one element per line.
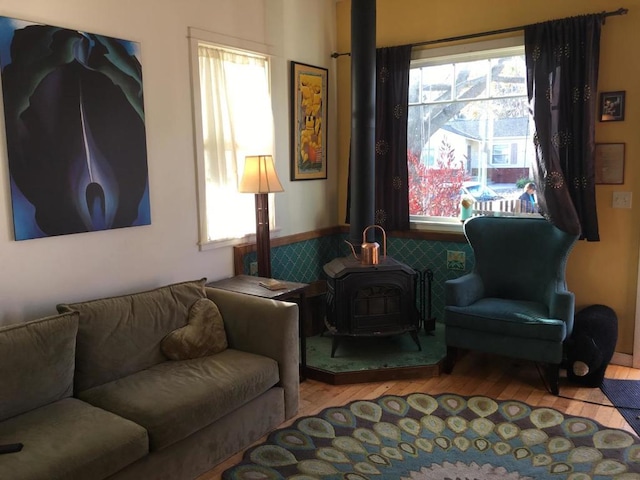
<point>38,274</point>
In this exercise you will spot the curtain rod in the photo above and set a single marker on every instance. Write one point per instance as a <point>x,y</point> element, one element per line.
<point>620,11</point>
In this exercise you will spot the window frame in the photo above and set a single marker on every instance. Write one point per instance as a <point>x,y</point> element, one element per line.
<point>451,54</point>
<point>198,37</point>
<point>501,149</point>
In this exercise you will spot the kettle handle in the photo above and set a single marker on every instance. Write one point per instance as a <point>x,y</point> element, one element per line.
<point>384,238</point>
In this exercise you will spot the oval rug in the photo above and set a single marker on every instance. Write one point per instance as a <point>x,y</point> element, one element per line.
<point>442,437</point>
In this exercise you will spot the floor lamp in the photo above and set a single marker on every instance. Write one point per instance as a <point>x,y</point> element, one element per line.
<point>260,177</point>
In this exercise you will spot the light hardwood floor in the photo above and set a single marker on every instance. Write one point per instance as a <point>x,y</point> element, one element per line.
<point>474,374</point>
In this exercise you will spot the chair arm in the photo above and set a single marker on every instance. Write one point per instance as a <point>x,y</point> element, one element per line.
<point>562,307</point>
<point>464,290</point>
<point>264,327</point>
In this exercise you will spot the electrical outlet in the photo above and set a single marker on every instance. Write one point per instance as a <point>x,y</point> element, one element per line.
<point>455,260</point>
<point>621,200</point>
<point>253,268</point>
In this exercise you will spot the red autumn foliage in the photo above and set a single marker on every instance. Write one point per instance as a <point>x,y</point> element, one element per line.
<point>435,191</point>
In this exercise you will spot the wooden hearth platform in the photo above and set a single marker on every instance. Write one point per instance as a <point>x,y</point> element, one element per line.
<point>375,359</point>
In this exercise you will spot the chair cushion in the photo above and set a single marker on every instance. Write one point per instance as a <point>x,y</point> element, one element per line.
<point>511,318</point>
<point>203,335</point>
<point>36,363</point>
<point>118,336</point>
<point>70,440</point>
<point>174,399</point>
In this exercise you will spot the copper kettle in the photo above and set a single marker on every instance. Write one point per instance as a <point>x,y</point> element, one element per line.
<point>370,251</point>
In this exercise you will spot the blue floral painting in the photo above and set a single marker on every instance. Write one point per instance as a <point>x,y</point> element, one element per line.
<point>74,117</point>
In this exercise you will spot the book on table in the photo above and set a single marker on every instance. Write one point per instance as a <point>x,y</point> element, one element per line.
<point>272,284</point>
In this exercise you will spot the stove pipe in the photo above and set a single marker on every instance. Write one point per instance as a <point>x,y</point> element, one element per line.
<point>363,121</point>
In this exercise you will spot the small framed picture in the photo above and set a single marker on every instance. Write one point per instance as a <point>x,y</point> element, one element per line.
<point>612,106</point>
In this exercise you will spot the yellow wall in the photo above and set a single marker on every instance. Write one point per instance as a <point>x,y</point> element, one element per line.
<point>598,272</point>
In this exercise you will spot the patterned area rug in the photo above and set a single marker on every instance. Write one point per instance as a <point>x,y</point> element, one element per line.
<point>443,437</point>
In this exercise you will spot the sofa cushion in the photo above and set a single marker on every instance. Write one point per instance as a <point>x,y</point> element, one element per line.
<point>70,440</point>
<point>202,336</point>
<point>172,400</point>
<point>118,336</point>
<point>36,363</point>
<point>509,318</point>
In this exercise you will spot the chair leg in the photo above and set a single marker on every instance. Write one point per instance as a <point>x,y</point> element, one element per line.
<point>553,377</point>
<point>450,359</point>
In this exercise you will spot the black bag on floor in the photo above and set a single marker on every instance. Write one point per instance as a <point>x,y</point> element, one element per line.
<point>591,346</point>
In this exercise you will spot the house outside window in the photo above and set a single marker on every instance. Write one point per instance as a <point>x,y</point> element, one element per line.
<point>233,119</point>
<point>468,124</point>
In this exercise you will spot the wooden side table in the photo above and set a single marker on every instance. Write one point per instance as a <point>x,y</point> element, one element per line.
<point>250,285</point>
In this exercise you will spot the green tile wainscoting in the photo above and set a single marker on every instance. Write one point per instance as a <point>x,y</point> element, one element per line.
<point>300,257</point>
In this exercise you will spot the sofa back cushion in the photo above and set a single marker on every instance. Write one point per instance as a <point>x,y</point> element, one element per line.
<point>118,336</point>
<point>36,363</point>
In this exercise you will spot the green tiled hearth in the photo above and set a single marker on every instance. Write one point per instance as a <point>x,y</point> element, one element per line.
<point>375,358</point>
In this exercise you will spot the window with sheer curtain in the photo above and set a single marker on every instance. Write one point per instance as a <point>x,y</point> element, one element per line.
<point>236,121</point>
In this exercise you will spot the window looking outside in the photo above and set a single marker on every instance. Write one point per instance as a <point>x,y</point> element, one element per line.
<point>500,155</point>
<point>236,120</point>
<point>468,131</point>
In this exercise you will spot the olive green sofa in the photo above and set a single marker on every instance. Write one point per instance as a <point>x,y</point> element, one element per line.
<point>91,395</point>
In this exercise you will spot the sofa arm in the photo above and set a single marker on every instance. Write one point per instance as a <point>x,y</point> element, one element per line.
<point>264,327</point>
<point>464,290</point>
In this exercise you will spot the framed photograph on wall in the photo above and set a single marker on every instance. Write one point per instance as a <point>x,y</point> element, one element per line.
<point>308,122</point>
<point>609,163</point>
<point>612,106</point>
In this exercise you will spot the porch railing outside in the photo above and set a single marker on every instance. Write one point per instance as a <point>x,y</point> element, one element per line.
<point>505,207</point>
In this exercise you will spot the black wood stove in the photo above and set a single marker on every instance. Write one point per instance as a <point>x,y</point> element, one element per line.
<point>370,300</point>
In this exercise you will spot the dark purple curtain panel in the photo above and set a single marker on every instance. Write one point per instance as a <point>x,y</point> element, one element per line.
<point>392,100</point>
<point>562,80</point>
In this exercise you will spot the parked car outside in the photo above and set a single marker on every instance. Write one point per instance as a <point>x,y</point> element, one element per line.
<point>480,192</point>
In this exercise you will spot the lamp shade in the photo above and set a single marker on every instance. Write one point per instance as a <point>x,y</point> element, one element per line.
<point>259,175</point>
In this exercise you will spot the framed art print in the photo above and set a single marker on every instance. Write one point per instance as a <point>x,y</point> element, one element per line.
<point>612,106</point>
<point>75,130</point>
<point>609,163</point>
<point>308,122</point>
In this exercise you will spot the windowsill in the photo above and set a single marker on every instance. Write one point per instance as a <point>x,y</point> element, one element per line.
<point>232,242</point>
<point>434,229</point>
<point>215,244</point>
<point>451,227</point>
<point>442,226</point>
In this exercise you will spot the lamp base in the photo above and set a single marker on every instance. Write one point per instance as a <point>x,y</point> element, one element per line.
<point>263,240</point>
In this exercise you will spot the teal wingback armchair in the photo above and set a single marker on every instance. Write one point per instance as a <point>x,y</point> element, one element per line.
<point>515,301</point>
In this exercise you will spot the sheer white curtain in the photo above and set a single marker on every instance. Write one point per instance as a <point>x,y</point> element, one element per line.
<point>237,120</point>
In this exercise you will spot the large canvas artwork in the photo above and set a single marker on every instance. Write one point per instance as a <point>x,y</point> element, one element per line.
<point>74,117</point>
